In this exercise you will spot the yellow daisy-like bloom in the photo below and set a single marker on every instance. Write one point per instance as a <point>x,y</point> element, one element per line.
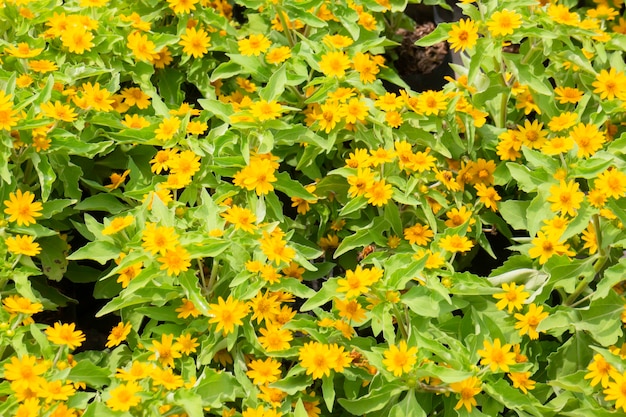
<point>612,183</point>
<point>400,359</point>
<point>616,390</point>
<point>96,98</point>
<point>609,84</point>
<point>135,121</point>
<point>24,371</point>
<point>187,344</point>
<point>504,22</point>
<point>240,217</point>
<point>266,110</point>
<point>22,50</point>
<point>463,35</point>
<point>254,45</point>
<point>455,243</point>
<point>379,193</point>
<point>276,249</point>
<point>512,297</point>
<point>497,356</point>
<point>77,39</point>
<point>522,381</point>
<point>8,116</point>
<point>21,208</point>
<point>65,334</point>
<point>22,245</point>
<point>133,96</point>
<point>118,334</point>
<point>278,55</point>
<point>263,372</point>
<point>195,42</point>
<point>316,359</point>
<point>561,14</point>
<point>488,196</point>
<point>545,245</point>
<point>124,396</point>
<point>568,95</point>
<point>588,138</point>
<point>227,314</point>
<point>118,224</point>
<point>565,198</point>
<point>418,234</point>
<point>334,64</point>
<point>175,260</point>
<point>182,6</point>
<point>187,309</point>
<point>15,304</point>
<point>165,351</point>
<point>167,128</point>
<point>600,371</point>
<point>265,306</point>
<point>274,338</point>
<point>140,46</point>
<point>357,282</point>
<point>527,323</point>
<point>159,239</point>
<point>467,390</point>
<point>58,111</point>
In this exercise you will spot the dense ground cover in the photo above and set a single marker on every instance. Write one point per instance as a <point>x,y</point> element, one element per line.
<point>269,222</point>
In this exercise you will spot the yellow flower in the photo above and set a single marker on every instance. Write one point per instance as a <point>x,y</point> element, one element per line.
<point>276,249</point>
<point>561,14</point>
<point>512,297</point>
<point>455,243</point>
<point>64,334</point>
<point>165,351</point>
<point>240,217</point>
<point>616,390</point>
<point>544,246</point>
<point>58,111</point>
<point>186,344</point>
<point>527,323</point>
<point>600,371</point>
<point>278,54</point>
<point>565,198</point>
<point>187,309</point>
<point>568,95</point>
<point>588,138</point>
<point>378,193</point>
<point>590,239</point>
<point>350,310</point>
<point>488,196</point>
<point>133,96</point>
<point>227,314</point>
<point>497,356</point>
<point>431,102</point>
<point>612,183</point>
<point>522,381</point>
<point>117,179</point>
<point>254,45</point>
<point>274,338</point>
<point>609,84</point>
<point>264,306</point>
<point>167,128</point>
<point>24,371</point>
<point>418,234</point>
<point>463,35</point>
<point>15,304</point>
<point>77,39</point>
<point>334,64</point>
<point>315,358</point>
<point>263,372</point>
<point>22,245</point>
<point>97,98</point>
<point>357,282</point>
<point>195,42</point>
<point>123,397</point>
<point>504,22</point>
<point>400,359</point>
<point>117,224</point>
<point>175,260</point>
<point>141,47</point>
<point>21,208</point>
<point>467,390</point>
<point>266,110</point>
<point>366,67</point>
<point>159,239</point>
<point>182,6</point>
<point>118,334</point>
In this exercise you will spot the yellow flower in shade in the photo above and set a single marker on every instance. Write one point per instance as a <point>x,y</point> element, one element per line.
<point>276,249</point>
<point>360,183</point>
<point>463,35</point>
<point>266,110</point>
<point>22,50</point>
<point>263,372</point>
<point>254,45</point>
<point>227,314</point>
<point>167,379</point>
<point>590,239</point>
<point>42,66</point>
<point>316,359</point>
<point>433,261</point>
<point>21,208</point>
<point>497,356</point>
<point>616,390</point>
<point>187,309</point>
<point>600,371</point>
<point>522,381</point>
<point>133,96</point>
<point>24,371</point>
<point>350,310</point>
<point>366,67</point>
<point>136,371</point>
<point>274,338</point>
<point>159,239</point>
<point>29,408</point>
<point>129,273</point>
<point>65,334</point>
<point>118,334</point>
<point>379,193</point>
<point>588,138</point>
<point>400,359</point>
<point>167,128</point>
<point>118,224</point>
<point>175,260</point>
<point>334,64</point>
<point>447,179</point>
<point>512,297</point>
<point>22,245</point>
<point>165,351</point>
<point>58,111</point>
<point>527,323</point>
<point>488,196</point>
<point>611,183</point>
<point>187,344</point>
<point>195,42</point>
<point>565,198</point>
<point>278,55</point>
<point>455,243</point>
<point>162,58</point>
<point>117,179</point>
<point>77,39</point>
<point>124,396</point>
<point>182,6</point>
<point>544,246</point>
<point>609,84</point>
<point>16,304</point>
<point>504,22</point>
<point>467,390</point>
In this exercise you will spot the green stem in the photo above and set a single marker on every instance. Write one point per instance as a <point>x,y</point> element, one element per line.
<point>212,278</point>
<point>283,23</point>
<point>400,319</point>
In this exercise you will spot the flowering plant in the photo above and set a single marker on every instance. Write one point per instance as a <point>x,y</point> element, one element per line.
<point>269,227</point>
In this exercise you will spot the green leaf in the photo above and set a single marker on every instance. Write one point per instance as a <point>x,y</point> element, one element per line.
<point>99,251</point>
<point>275,86</point>
<point>191,285</point>
<point>52,256</point>
<point>216,388</point>
<point>209,248</point>
<point>90,374</point>
<point>353,205</point>
<point>514,399</point>
<point>327,293</point>
<point>375,400</point>
<point>46,175</point>
<point>292,188</point>
<point>420,300</point>
<point>408,407</point>
<point>99,409</point>
<point>189,401</point>
<point>438,35</point>
<point>328,392</point>
<point>601,319</point>
<point>101,202</point>
<point>612,276</point>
